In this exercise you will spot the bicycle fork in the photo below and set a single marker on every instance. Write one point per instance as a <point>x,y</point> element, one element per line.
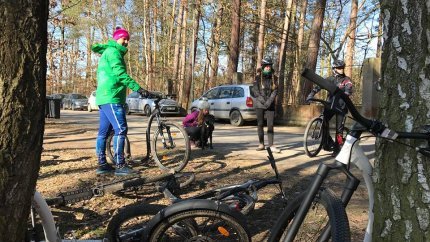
<point>322,172</point>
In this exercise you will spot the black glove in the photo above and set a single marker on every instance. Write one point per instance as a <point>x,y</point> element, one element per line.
<point>143,92</point>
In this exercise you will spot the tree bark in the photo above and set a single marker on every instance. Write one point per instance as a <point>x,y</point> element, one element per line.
<point>379,41</point>
<point>234,47</point>
<point>349,58</point>
<point>176,52</point>
<point>401,174</point>
<point>260,48</point>
<point>215,46</point>
<point>314,44</point>
<point>190,80</point>
<point>183,57</point>
<point>295,82</point>
<point>282,57</point>
<point>22,101</point>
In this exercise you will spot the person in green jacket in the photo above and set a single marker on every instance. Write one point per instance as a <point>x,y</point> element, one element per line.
<point>112,83</point>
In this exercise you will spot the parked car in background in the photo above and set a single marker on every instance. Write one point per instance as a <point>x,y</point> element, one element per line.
<point>75,101</point>
<point>58,96</point>
<point>232,102</point>
<point>92,102</point>
<point>146,105</point>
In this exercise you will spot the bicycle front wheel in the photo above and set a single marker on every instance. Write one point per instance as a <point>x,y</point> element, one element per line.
<point>313,137</point>
<point>170,147</point>
<point>200,225</point>
<point>130,223</point>
<point>326,210</point>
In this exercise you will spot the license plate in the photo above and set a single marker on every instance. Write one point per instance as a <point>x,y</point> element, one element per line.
<point>170,108</point>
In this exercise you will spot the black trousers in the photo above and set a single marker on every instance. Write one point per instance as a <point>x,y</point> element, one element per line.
<point>194,132</point>
<point>270,116</point>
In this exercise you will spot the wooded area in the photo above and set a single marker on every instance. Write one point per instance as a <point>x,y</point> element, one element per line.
<point>186,47</point>
<point>191,44</point>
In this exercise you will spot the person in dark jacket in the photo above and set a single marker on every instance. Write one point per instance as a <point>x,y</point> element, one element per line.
<point>345,84</point>
<point>112,83</point>
<point>265,90</point>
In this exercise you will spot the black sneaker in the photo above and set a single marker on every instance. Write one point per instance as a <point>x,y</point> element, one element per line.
<point>104,169</point>
<point>124,171</point>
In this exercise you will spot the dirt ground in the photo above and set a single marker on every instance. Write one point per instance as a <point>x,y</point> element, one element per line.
<point>69,162</point>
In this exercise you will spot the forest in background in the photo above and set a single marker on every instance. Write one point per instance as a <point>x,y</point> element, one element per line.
<point>186,47</point>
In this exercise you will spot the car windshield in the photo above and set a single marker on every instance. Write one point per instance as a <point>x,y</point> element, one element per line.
<point>78,96</point>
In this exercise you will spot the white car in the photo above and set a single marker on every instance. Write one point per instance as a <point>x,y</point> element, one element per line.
<point>92,102</point>
<point>146,105</point>
<point>231,102</point>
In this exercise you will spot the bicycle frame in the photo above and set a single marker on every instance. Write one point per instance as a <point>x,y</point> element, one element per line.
<point>155,115</point>
<point>49,227</point>
<point>349,153</point>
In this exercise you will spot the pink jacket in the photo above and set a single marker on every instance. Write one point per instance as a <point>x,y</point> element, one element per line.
<point>191,119</point>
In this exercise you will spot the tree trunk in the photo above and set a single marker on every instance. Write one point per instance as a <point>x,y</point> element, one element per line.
<point>379,42</point>
<point>183,57</point>
<point>402,175</point>
<point>349,58</point>
<point>282,57</point>
<point>234,47</point>
<point>146,43</point>
<point>215,46</point>
<point>260,48</point>
<point>176,53</point>
<point>314,44</point>
<point>170,37</point>
<point>22,102</point>
<point>61,66</point>
<point>190,80</point>
<point>295,82</point>
<point>88,70</point>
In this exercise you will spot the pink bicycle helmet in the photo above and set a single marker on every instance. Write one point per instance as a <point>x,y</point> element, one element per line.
<point>121,33</point>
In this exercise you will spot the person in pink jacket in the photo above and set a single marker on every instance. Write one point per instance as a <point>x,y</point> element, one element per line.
<point>194,121</point>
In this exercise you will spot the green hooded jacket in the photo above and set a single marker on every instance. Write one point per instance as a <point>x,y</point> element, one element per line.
<point>112,77</point>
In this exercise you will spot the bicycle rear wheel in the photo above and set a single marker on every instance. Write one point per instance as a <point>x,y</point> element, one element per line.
<point>200,225</point>
<point>110,151</point>
<point>326,210</point>
<point>131,222</point>
<point>170,147</point>
<point>313,137</point>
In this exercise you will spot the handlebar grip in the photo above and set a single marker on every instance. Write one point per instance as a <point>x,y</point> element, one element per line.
<point>311,76</point>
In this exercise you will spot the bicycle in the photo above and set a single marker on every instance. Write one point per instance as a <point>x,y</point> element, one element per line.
<point>239,198</point>
<point>40,206</point>
<point>169,148</point>
<point>317,133</point>
<point>292,219</point>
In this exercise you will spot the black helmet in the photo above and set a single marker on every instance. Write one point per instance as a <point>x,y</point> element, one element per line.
<point>338,64</point>
<point>267,61</point>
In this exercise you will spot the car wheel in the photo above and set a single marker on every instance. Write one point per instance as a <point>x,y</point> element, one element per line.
<point>89,108</point>
<point>236,118</point>
<point>147,111</point>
